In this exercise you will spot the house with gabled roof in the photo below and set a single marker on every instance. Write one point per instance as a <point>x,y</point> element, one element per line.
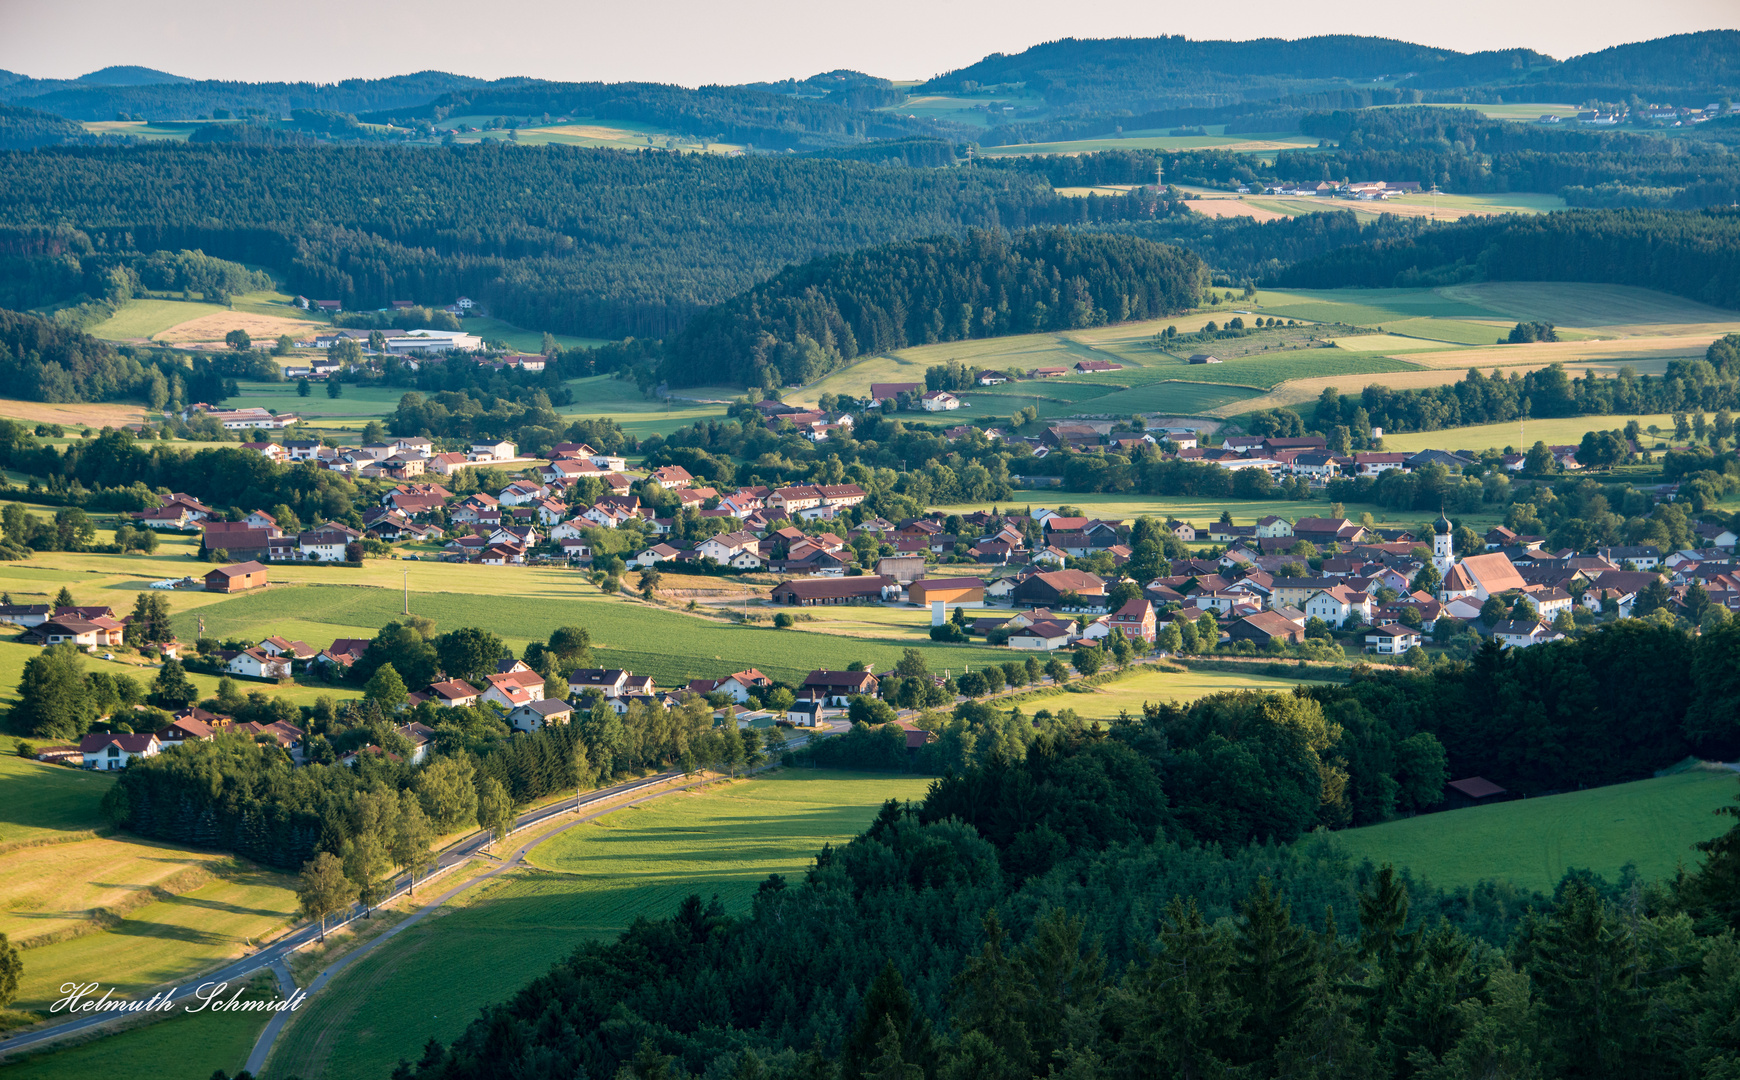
<point>108,752</point>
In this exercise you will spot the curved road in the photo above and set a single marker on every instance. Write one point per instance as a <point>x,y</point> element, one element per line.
<point>276,955</point>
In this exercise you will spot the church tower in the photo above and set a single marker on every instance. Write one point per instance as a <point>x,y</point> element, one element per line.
<point>1442,552</point>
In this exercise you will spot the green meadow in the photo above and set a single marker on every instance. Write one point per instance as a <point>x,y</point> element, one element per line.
<point>1651,824</point>
<point>668,645</point>
<point>581,885</point>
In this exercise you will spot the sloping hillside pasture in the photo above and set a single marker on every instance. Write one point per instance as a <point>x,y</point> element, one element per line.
<point>46,803</point>
<point>1651,824</point>
<point>588,882</point>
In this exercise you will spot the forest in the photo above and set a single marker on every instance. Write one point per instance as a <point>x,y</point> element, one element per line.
<point>1695,255</point>
<point>1052,916</point>
<point>810,319</point>
<point>1463,151</point>
<point>593,242</point>
<point>45,361</point>
<point>1136,75</point>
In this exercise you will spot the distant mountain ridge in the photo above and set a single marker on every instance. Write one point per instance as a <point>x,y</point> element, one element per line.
<point>1138,74</point>
<point>128,75</point>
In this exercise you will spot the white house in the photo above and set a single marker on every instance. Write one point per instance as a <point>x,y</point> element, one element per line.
<point>607,681</point>
<point>1520,634</point>
<point>257,663</point>
<point>1391,639</point>
<point>107,752</point>
<point>420,736</point>
<point>572,529</point>
<point>521,492</point>
<point>493,451</point>
<point>654,555</point>
<point>1333,605</point>
<point>940,401</point>
<point>533,715</point>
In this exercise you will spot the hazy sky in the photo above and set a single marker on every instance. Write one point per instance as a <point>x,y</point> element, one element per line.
<point>701,41</point>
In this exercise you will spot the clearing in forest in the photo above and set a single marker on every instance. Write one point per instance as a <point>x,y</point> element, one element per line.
<point>1651,824</point>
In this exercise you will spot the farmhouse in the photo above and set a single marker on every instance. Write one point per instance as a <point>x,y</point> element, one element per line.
<point>1263,627</point>
<point>1048,589</point>
<point>940,401</point>
<point>237,578</point>
<point>1203,358</point>
<point>808,592</point>
<point>80,632</point>
<point>257,663</point>
<point>836,688</point>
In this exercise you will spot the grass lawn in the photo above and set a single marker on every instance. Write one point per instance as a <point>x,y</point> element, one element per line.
<point>1131,692</point>
<point>180,1045</point>
<point>1532,842</point>
<point>586,883</point>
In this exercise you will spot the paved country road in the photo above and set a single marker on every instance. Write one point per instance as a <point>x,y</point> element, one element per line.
<point>276,955</point>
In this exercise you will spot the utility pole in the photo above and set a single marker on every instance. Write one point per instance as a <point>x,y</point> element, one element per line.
<point>407,592</point>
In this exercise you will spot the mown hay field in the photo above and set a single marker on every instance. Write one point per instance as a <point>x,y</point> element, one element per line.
<point>166,941</point>
<point>583,884</point>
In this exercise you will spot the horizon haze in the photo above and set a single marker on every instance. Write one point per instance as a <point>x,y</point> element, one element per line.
<point>763,40</point>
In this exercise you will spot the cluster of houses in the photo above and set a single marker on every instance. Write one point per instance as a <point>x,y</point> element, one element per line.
<point>1261,590</point>
<point>1365,190</point>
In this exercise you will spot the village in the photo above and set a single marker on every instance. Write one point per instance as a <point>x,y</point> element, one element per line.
<point>1036,581</point>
